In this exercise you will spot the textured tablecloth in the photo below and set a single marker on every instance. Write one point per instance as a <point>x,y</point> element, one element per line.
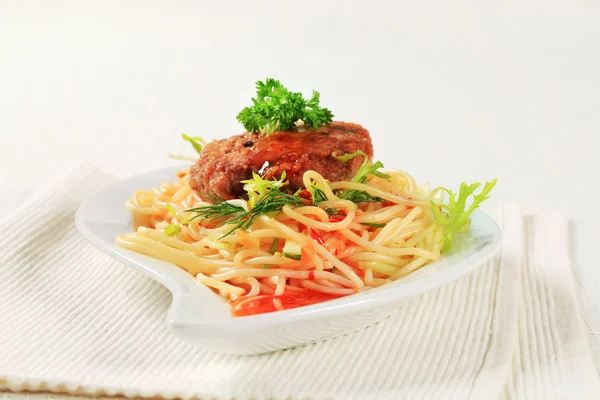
<point>506,90</point>
<point>73,320</point>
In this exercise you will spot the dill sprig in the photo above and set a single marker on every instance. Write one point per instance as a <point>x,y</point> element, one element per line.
<point>272,202</point>
<point>238,218</point>
<point>216,211</point>
<point>359,196</point>
<point>318,194</point>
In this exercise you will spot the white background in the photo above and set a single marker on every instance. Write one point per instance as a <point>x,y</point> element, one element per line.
<point>450,91</point>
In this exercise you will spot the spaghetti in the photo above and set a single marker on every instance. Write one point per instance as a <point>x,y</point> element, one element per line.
<point>283,244</point>
<point>341,247</point>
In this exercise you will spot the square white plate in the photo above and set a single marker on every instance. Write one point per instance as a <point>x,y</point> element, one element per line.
<point>200,316</point>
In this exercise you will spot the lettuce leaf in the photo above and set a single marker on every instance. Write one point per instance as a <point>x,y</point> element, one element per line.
<point>197,142</point>
<point>366,167</point>
<point>172,230</point>
<point>181,217</point>
<point>257,187</point>
<point>455,215</point>
<point>347,157</point>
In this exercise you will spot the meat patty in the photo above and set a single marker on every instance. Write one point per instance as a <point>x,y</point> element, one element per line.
<point>224,163</point>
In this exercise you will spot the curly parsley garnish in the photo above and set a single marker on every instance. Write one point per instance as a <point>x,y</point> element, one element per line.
<point>276,108</point>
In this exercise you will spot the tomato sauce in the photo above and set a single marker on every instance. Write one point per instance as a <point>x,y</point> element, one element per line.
<point>284,148</point>
<point>288,300</point>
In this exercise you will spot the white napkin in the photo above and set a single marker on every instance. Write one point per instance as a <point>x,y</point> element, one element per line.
<point>73,320</point>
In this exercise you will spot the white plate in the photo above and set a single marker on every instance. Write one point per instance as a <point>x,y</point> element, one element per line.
<point>200,316</point>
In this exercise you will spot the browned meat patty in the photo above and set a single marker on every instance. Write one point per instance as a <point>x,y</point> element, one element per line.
<point>224,163</point>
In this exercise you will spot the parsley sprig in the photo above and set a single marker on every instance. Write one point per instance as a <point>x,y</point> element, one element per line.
<point>277,108</point>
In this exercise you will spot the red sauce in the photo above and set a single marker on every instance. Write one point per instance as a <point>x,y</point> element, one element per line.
<point>288,300</point>
<point>305,194</point>
<point>282,149</point>
<point>317,237</point>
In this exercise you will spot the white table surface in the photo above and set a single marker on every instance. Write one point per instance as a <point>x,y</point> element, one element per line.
<point>449,91</point>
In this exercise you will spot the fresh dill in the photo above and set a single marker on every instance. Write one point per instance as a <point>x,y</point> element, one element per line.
<point>359,196</point>
<point>318,194</point>
<point>216,211</point>
<point>271,202</point>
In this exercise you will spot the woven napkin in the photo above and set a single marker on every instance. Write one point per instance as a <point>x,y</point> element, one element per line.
<point>74,321</point>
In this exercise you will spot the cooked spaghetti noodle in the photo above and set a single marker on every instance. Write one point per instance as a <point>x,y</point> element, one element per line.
<point>278,243</point>
<point>360,246</point>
